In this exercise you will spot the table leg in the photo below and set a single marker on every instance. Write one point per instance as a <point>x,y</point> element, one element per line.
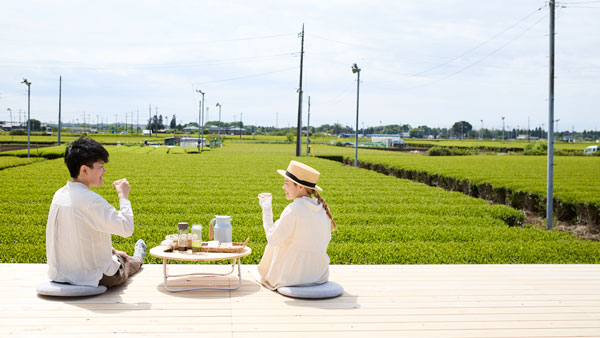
<point>235,260</point>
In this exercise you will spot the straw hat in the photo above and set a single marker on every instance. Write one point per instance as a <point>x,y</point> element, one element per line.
<point>302,175</point>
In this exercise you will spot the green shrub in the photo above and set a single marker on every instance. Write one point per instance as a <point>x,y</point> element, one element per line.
<point>290,137</point>
<point>448,151</point>
<point>537,148</point>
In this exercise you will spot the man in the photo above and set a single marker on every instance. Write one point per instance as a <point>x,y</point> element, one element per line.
<point>80,224</point>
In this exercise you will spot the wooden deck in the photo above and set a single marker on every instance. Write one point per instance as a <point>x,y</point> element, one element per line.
<point>379,301</point>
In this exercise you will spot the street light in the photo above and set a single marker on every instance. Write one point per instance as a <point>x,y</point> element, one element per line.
<point>219,126</point>
<point>502,129</point>
<point>201,120</point>
<point>356,70</point>
<point>481,130</point>
<point>28,114</point>
<point>59,106</point>
<point>11,123</point>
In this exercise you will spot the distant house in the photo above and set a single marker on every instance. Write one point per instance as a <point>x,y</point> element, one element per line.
<point>183,141</point>
<point>390,140</point>
<point>6,125</point>
<point>525,137</point>
<point>190,129</point>
<point>234,131</point>
<point>567,138</point>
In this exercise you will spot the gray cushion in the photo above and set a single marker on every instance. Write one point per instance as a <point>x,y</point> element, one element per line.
<point>50,288</point>
<point>325,290</point>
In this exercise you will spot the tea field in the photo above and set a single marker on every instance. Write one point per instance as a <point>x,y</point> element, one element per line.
<point>576,178</point>
<point>381,219</point>
<point>494,145</point>
<point>11,161</point>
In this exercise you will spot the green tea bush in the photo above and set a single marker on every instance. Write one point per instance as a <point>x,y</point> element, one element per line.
<point>537,148</point>
<point>381,219</point>
<point>449,151</point>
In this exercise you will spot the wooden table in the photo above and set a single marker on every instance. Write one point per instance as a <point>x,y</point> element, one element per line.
<point>160,252</point>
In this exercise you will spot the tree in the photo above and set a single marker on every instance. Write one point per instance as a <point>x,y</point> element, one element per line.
<point>155,123</point>
<point>461,128</point>
<point>35,125</point>
<point>173,123</point>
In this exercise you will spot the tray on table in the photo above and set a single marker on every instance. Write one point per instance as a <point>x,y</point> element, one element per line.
<point>232,247</point>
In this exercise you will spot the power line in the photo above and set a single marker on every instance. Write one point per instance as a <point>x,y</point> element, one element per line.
<point>253,38</point>
<point>578,2</point>
<point>75,64</point>
<point>247,76</point>
<point>479,45</point>
<point>464,53</point>
<point>482,58</point>
<point>497,49</point>
<point>154,43</point>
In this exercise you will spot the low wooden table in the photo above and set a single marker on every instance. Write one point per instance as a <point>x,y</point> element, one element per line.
<point>160,252</point>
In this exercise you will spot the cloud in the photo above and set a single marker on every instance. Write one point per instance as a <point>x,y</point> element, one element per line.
<point>423,62</point>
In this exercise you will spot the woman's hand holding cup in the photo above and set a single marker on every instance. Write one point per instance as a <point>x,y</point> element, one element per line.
<point>265,199</point>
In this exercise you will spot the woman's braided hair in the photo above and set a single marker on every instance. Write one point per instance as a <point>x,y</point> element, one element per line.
<point>322,201</point>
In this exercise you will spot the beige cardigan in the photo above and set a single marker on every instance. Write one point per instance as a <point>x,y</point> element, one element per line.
<point>296,252</point>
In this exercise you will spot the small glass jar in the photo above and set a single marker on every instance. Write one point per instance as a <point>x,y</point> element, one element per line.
<point>196,237</point>
<point>183,236</point>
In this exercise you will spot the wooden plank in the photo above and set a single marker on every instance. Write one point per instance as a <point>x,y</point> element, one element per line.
<point>157,317</point>
<point>75,312</point>
<point>419,301</point>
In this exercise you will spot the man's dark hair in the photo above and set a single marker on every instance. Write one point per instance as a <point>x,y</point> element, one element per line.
<point>84,151</point>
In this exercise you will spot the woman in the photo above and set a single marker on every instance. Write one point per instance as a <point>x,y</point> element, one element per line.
<point>296,251</point>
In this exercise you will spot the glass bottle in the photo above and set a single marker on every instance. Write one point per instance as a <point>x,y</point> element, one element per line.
<point>183,236</point>
<point>196,237</point>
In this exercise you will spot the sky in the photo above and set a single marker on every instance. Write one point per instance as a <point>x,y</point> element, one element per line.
<point>422,62</point>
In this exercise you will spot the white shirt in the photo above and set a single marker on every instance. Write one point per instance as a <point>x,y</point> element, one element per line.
<point>78,235</point>
<point>296,251</point>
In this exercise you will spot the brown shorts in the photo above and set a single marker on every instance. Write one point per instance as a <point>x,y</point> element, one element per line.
<point>126,269</point>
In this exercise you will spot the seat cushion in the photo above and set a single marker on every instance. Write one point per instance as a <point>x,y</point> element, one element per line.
<point>50,288</point>
<point>325,290</point>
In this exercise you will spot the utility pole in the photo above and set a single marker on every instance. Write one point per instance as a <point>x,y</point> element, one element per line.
<point>481,130</point>
<point>550,177</point>
<point>276,119</point>
<point>299,130</point>
<point>241,124</point>
<point>201,120</point>
<point>308,126</point>
<point>59,106</point>
<point>137,128</point>
<point>219,127</point>
<point>116,122</point>
<point>11,123</point>
<point>502,129</point>
<point>28,114</point>
<point>150,118</point>
<point>528,129</point>
<point>156,116</point>
<point>356,70</point>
